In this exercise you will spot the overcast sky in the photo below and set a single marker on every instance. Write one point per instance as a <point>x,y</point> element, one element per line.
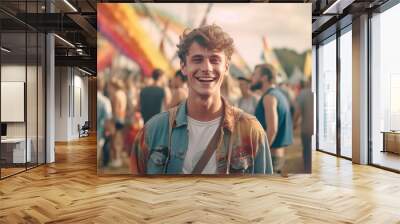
<point>285,24</point>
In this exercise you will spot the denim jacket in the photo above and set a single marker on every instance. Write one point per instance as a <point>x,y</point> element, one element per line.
<point>241,132</point>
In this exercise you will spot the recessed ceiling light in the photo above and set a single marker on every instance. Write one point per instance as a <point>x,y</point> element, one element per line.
<point>64,40</point>
<point>5,50</point>
<point>337,7</point>
<point>86,72</point>
<point>71,6</point>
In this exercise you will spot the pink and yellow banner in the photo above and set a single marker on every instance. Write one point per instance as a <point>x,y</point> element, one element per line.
<point>120,24</point>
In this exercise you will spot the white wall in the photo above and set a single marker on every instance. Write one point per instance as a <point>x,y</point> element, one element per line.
<point>61,103</point>
<point>70,84</point>
<point>13,73</point>
<point>80,94</point>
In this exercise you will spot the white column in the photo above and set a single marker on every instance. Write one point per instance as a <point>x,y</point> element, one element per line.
<point>360,90</point>
<point>50,92</point>
<point>50,110</point>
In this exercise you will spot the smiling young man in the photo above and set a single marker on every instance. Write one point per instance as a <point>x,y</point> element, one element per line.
<point>204,134</point>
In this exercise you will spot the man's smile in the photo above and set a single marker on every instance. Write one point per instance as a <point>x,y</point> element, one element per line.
<point>205,79</point>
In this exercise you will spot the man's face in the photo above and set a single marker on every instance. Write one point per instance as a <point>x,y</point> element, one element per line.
<point>256,76</point>
<point>205,70</point>
<point>256,80</point>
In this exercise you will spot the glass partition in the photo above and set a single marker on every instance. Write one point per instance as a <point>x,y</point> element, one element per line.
<point>13,105</point>
<point>22,90</point>
<point>327,96</point>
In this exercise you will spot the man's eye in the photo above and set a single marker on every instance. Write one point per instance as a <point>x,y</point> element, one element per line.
<point>215,61</point>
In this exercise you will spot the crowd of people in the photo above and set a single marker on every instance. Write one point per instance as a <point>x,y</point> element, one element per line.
<point>134,133</point>
<point>126,101</point>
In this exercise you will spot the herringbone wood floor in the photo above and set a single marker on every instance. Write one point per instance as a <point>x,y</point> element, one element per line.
<point>70,191</point>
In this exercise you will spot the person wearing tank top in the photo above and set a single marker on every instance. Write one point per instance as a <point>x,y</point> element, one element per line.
<point>273,112</point>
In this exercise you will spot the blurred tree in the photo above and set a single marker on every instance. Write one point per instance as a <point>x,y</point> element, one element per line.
<point>289,59</point>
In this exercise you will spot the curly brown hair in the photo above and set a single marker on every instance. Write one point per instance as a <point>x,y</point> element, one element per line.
<point>211,37</point>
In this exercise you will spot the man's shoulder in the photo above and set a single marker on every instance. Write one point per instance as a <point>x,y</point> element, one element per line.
<point>270,99</point>
<point>158,123</point>
<point>248,127</point>
<point>152,88</point>
<point>151,91</point>
<point>158,119</point>
<point>248,120</point>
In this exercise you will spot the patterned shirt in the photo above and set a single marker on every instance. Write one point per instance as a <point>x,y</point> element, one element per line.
<point>153,153</point>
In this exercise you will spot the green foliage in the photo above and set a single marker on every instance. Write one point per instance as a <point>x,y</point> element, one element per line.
<point>289,59</point>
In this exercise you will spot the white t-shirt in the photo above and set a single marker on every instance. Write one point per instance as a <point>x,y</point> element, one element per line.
<point>248,104</point>
<point>200,134</point>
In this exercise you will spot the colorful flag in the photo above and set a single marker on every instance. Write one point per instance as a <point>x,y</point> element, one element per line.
<point>120,24</point>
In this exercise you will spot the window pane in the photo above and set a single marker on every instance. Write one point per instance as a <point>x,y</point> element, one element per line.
<point>385,88</point>
<point>327,97</point>
<point>346,94</point>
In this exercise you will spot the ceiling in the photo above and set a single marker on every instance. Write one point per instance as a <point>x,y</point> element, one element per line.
<point>76,23</point>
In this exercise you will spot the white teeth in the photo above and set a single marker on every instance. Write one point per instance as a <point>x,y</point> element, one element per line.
<point>205,79</point>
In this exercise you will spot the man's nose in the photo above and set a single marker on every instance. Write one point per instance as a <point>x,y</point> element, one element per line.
<point>206,65</point>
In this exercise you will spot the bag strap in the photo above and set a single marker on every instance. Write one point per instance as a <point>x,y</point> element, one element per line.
<point>211,147</point>
<point>171,119</point>
<point>238,115</point>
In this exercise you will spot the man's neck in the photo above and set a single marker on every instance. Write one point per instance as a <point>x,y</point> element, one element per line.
<point>267,86</point>
<point>204,109</point>
<point>157,84</point>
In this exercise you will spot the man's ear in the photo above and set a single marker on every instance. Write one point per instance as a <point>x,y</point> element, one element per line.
<point>183,68</point>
